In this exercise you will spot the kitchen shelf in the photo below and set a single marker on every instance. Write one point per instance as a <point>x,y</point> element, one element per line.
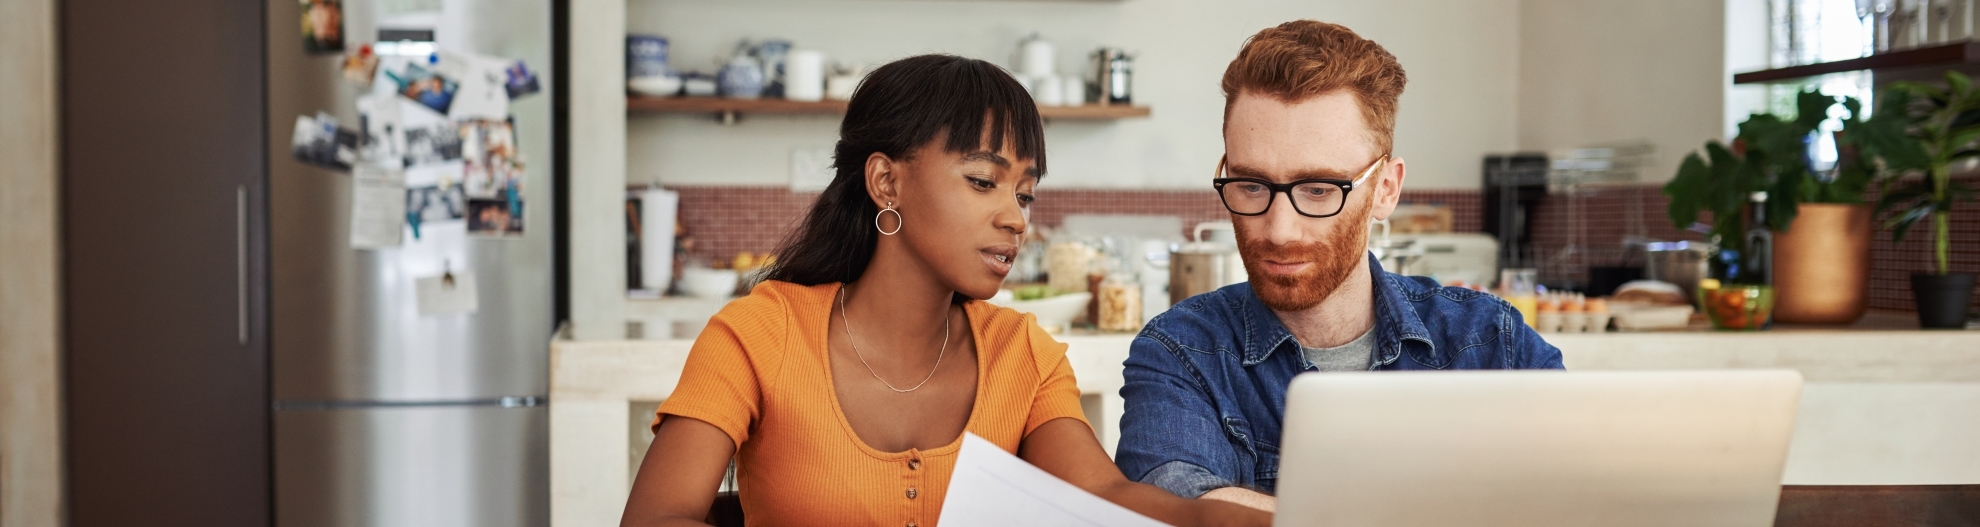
<point>722,106</point>
<point>1942,55</point>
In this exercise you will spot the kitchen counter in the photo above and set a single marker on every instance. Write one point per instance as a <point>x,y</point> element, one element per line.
<point>1882,406</point>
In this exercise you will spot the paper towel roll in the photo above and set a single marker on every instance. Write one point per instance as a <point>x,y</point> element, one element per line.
<point>804,75</point>
<point>657,212</point>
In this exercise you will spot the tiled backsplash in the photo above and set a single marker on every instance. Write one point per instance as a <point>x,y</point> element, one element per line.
<point>1571,231</point>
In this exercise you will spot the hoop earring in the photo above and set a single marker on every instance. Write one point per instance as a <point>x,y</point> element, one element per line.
<point>897,219</point>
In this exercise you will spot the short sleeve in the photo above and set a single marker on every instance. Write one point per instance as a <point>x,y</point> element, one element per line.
<point>1058,390</point>
<point>721,383</point>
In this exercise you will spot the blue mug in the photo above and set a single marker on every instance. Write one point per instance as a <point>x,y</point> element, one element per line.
<point>646,56</point>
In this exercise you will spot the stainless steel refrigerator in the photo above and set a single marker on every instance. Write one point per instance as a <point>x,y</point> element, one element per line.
<point>384,417</point>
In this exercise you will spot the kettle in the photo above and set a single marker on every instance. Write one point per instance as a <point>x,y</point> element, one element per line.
<point>1206,264</point>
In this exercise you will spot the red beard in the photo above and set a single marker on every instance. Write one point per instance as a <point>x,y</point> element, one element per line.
<point>1334,260</point>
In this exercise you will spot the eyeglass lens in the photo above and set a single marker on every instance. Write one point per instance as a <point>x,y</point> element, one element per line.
<point>1311,198</point>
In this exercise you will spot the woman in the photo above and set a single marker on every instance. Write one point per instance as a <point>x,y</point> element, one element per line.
<point>843,384</point>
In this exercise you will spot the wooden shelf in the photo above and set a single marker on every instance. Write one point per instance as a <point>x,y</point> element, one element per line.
<point>1942,55</point>
<point>717,105</point>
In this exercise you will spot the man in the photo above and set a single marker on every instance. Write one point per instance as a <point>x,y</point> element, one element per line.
<point>1309,118</point>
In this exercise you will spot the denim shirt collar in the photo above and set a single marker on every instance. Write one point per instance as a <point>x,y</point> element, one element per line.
<point>1396,324</point>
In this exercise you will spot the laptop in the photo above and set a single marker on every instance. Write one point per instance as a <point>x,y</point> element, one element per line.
<point>1526,448</point>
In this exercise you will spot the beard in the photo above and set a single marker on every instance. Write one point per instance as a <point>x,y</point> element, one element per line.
<point>1334,260</point>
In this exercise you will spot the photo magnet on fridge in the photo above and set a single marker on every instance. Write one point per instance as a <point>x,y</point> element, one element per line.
<point>495,217</point>
<point>318,141</point>
<point>423,84</point>
<point>360,66</point>
<point>322,26</point>
<point>522,81</point>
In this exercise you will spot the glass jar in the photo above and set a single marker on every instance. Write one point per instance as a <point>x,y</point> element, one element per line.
<point>1120,302</point>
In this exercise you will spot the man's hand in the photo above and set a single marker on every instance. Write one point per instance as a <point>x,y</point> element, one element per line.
<point>1243,496</point>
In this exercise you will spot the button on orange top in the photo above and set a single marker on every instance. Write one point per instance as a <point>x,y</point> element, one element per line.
<point>761,373</point>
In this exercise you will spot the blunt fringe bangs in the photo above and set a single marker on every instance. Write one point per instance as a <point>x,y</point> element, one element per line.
<point>899,107</point>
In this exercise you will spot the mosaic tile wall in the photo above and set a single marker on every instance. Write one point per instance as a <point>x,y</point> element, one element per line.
<point>1572,231</point>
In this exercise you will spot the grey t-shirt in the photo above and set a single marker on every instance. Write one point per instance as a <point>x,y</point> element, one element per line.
<point>1353,356</point>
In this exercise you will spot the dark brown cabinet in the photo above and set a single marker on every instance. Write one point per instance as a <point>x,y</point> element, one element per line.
<point>164,252</point>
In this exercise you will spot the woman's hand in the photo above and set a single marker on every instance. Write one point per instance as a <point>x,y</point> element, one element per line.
<point>679,476</point>
<point>1067,449</point>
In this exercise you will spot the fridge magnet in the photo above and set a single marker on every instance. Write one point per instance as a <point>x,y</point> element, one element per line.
<point>451,293</point>
<point>495,218</point>
<point>488,150</point>
<point>378,206</point>
<point>383,140</point>
<point>360,65</point>
<point>318,141</point>
<point>521,80</point>
<point>480,91</point>
<point>429,137</point>
<point>322,26</point>
<point>427,204</point>
<point>426,86</point>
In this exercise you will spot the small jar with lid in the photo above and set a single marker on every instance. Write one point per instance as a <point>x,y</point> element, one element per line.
<point>1119,302</point>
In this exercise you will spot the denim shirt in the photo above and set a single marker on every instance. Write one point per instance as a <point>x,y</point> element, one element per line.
<point>1206,381</point>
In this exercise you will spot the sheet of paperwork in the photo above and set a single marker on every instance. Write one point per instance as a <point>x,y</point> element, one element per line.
<point>992,488</point>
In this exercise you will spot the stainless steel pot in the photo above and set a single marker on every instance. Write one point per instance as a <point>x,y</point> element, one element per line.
<point>1680,263</point>
<point>1203,266</point>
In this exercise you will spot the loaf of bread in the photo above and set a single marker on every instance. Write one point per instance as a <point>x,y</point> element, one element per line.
<point>1651,292</point>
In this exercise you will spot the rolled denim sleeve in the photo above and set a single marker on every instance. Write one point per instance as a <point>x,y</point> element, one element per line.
<point>1531,351</point>
<point>1170,435</point>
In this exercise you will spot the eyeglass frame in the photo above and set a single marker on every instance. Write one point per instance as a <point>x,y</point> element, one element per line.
<point>1347,187</point>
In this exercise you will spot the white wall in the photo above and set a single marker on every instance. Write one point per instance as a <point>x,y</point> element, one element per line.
<point>30,361</point>
<point>1461,56</point>
<point>1603,71</point>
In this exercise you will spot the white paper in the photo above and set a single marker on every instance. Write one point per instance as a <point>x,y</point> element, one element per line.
<point>437,297</point>
<point>992,488</point>
<point>384,138</point>
<point>378,206</point>
<point>482,94</point>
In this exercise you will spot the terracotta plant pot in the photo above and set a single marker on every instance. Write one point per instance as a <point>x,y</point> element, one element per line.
<point>1822,265</point>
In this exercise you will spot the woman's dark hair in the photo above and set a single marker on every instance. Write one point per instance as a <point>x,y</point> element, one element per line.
<point>898,108</point>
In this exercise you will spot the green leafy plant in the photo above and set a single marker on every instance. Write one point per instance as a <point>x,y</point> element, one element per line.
<point>1770,155</point>
<point>1939,128</point>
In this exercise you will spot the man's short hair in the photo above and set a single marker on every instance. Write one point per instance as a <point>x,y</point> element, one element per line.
<point>1302,59</point>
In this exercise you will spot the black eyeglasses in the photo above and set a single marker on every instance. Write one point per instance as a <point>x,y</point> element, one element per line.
<point>1313,198</point>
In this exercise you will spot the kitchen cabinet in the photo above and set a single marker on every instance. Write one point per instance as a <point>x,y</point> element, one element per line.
<point>164,246</point>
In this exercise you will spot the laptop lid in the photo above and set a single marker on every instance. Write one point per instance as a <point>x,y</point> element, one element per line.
<point>1487,448</point>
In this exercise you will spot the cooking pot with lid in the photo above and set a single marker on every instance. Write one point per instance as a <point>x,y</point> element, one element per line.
<point>1206,264</point>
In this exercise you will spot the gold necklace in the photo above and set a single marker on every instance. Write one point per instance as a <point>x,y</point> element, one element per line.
<point>869,367</point>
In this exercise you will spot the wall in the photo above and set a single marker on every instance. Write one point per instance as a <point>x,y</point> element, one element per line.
<point>1461,55</point>
<point>1594,72</point>
<point>31,478</point>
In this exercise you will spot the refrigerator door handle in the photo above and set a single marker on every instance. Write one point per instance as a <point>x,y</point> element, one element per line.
<point>240,260</point>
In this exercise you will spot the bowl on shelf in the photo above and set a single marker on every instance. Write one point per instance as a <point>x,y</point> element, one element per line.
<point>667,86</point>
<point>1055,313</point>
<point>700,282</point>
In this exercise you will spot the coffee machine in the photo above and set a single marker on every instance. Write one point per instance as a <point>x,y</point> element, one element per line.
<point>1515,185</point>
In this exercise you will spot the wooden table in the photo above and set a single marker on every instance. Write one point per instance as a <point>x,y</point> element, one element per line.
<point>1856,505</point>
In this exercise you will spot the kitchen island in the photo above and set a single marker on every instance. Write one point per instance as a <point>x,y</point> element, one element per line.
<point>1882,406</point>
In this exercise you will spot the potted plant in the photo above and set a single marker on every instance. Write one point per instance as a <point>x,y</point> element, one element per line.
<point>1778,223</point>
<point>1942,125</point>
<point>1822,258</point>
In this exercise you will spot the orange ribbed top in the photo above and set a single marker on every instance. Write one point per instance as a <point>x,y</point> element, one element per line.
<point>761,372</point>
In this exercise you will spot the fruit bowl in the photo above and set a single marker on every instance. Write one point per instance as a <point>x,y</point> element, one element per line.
<point>1738,307</point>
